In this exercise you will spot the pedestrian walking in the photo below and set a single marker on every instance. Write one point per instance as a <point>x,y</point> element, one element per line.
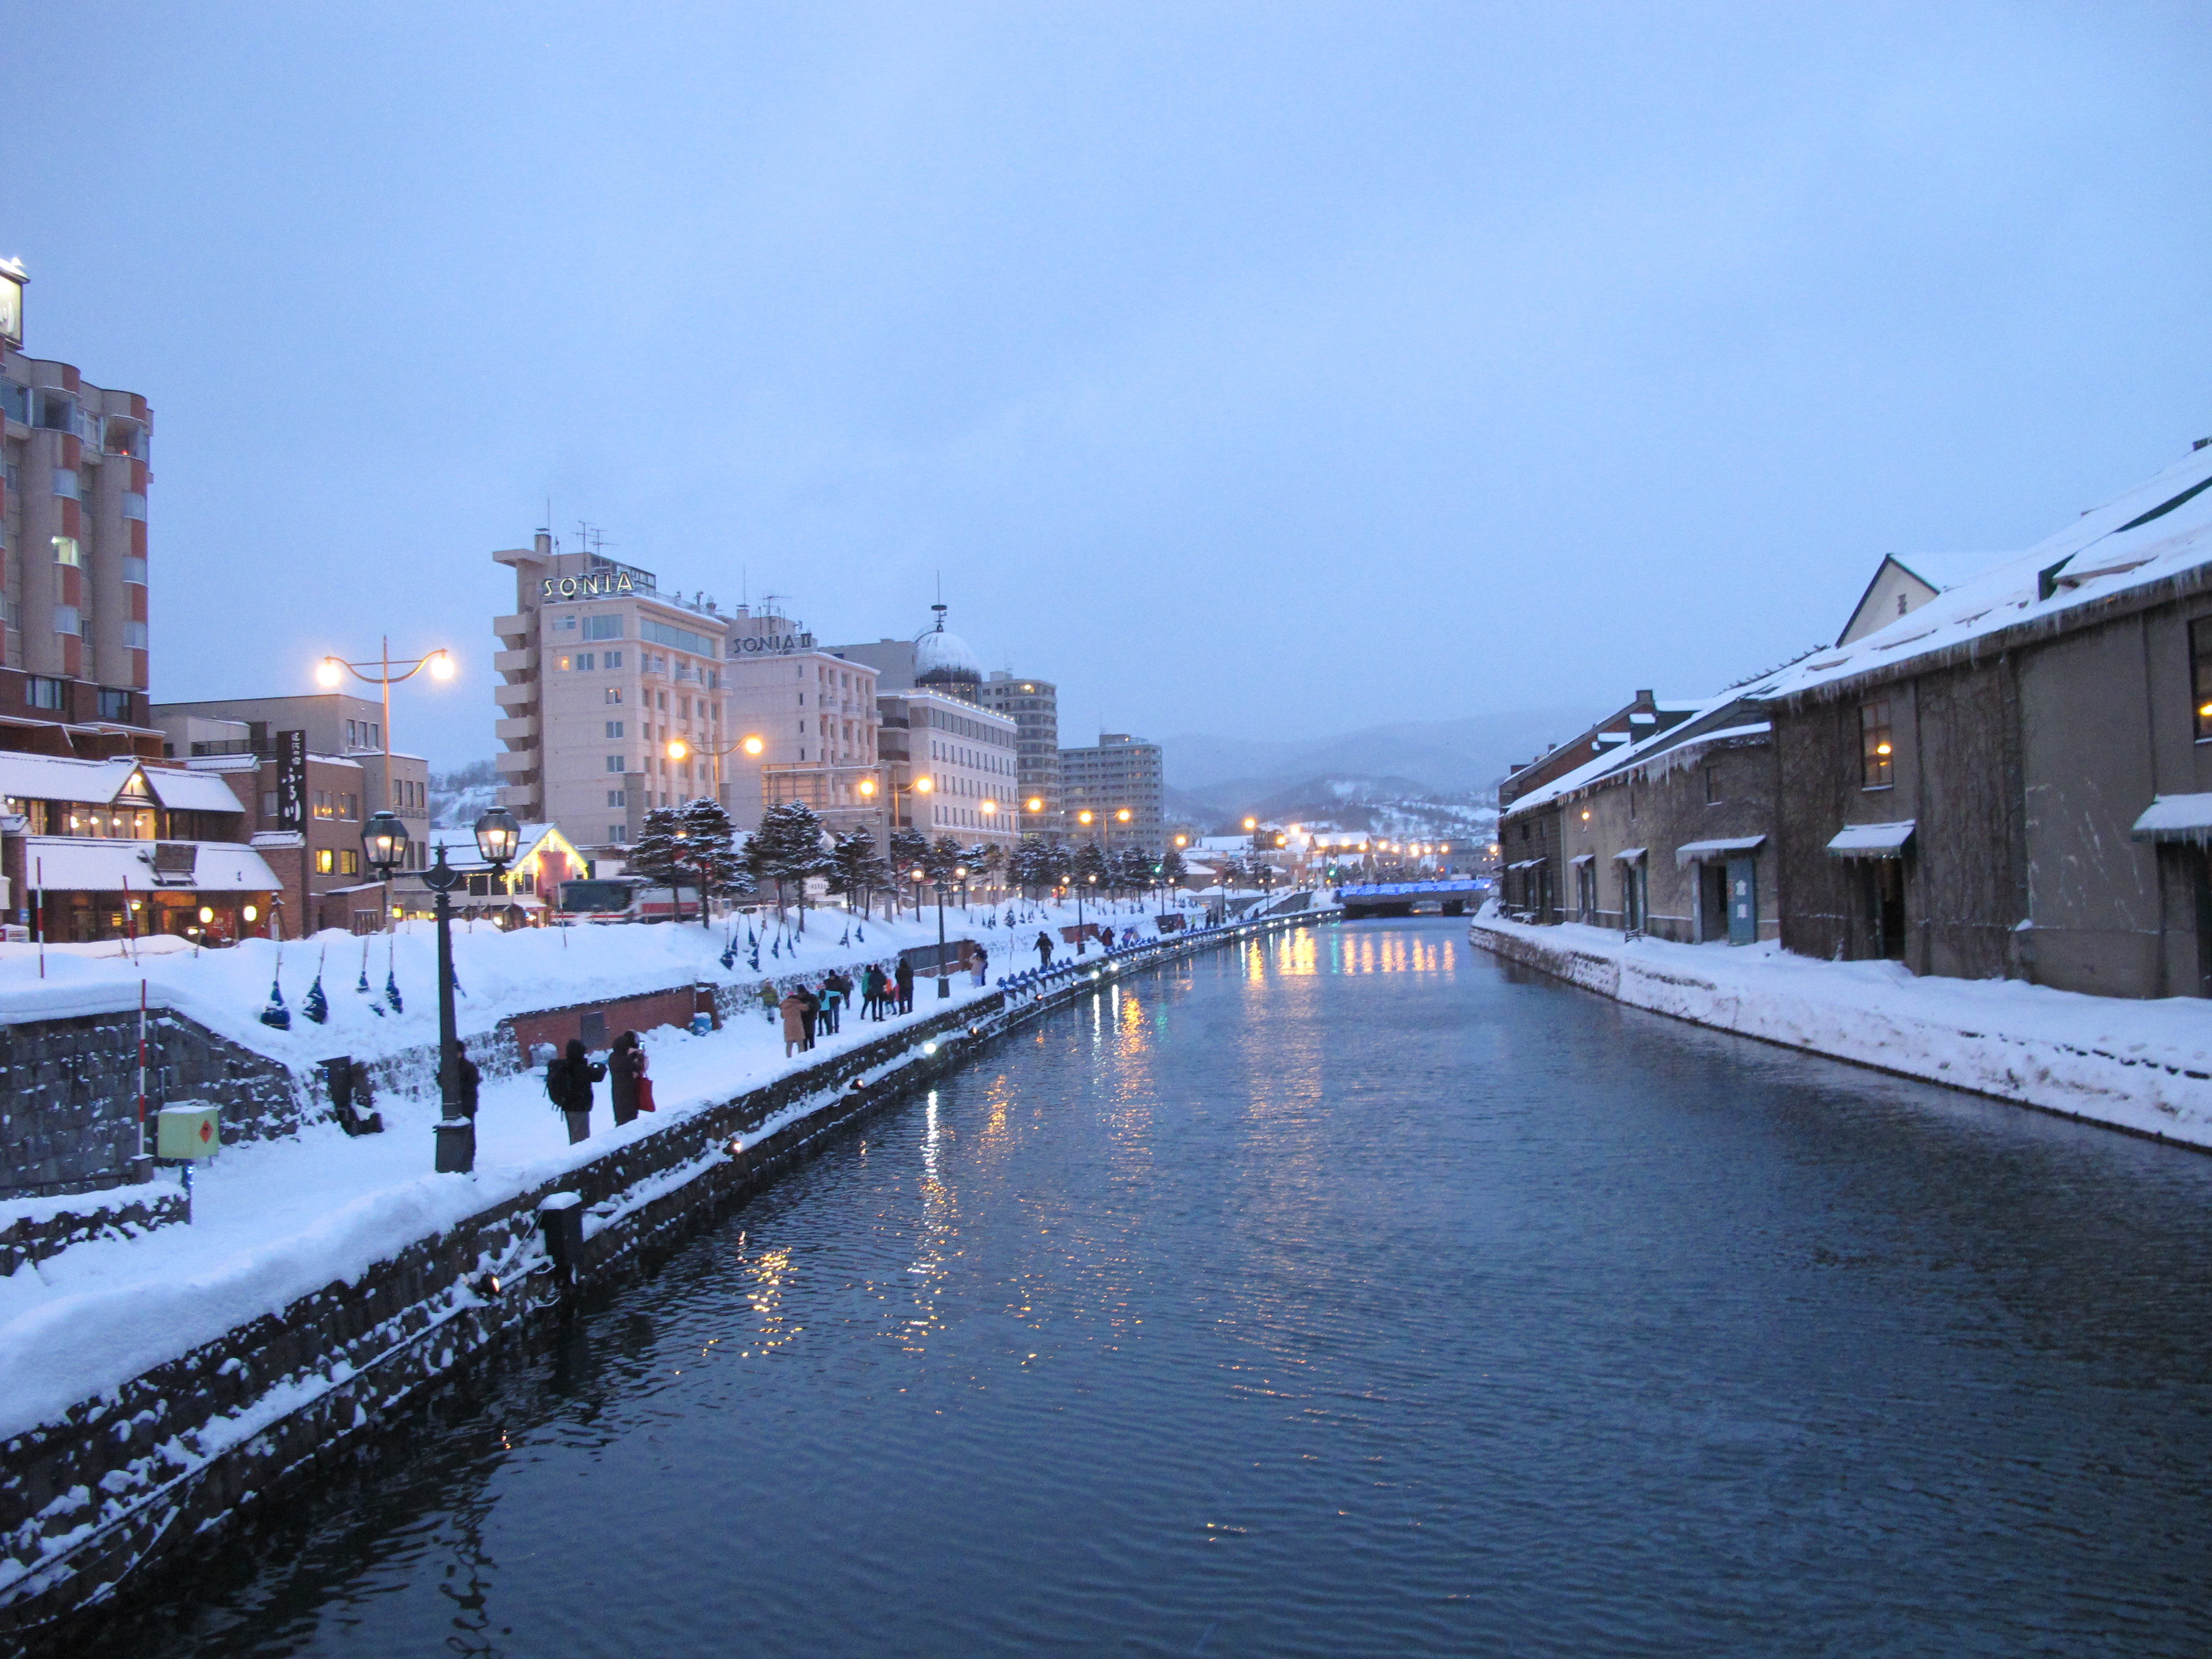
<point>982,966</point>
<point>768,1000</point>
<point>466,1081</point>
<point>1044,949</point>
<point>812,1013</point>
<point>568,1081</point>
<point>872,992</point>
<point>836,994</point>
<point>794,1009</point>
<point>904,981</point>
<point>625,1071</point>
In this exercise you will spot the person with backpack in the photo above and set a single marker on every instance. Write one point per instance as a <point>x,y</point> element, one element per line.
<point>1044,949</point>
<point>835,989</point>
<point>568,1083</point>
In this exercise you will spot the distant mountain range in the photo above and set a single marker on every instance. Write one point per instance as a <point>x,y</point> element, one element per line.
<point>1461,757</point>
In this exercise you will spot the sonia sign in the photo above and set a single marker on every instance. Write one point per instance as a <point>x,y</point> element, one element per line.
<point>598,585</point>
<point>771,645</point>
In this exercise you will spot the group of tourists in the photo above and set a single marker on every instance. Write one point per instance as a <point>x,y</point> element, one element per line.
<point>569,1077</point>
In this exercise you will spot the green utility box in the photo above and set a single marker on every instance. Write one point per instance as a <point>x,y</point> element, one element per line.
<point>190,1129</point>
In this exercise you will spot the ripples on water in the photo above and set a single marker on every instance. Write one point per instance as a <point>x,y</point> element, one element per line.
<point>1344,1296</point>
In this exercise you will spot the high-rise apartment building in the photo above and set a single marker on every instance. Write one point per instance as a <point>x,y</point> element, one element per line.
<point>1034,705</point>
<point>1121,774</point>
<point>73,612</point>
<point>601,670</point>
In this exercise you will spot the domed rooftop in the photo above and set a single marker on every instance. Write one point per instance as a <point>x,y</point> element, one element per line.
<point>942,658</point>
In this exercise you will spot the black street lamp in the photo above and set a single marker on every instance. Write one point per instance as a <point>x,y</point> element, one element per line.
<point>497,836</point>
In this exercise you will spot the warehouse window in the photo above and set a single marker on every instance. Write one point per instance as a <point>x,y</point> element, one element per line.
<point>1874,746</point>
<point>2200,675</point>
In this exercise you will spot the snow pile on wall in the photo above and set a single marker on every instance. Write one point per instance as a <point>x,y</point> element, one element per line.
<point>2140,1066</point>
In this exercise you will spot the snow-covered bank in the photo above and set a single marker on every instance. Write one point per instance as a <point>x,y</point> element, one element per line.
<point>2145,1067</point>
<point>275,1219</point>
<point>500,974</point>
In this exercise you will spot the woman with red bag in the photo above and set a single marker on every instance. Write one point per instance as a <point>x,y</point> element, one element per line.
<point>626,1077</point>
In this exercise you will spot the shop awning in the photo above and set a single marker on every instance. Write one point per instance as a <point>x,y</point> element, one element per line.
<point>2175,818</point>
<point>1630,854</point>
<point>1528,864</point>
<point>1701,851</point>
<point>1581,859</point>
<point>1873,841</point>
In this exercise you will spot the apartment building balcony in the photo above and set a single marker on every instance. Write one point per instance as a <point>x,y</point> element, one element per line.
<point>518,664</point>
<point>517,766</point>
<point>521,730</point>
<point>515,698</point>
<point>516,628</point>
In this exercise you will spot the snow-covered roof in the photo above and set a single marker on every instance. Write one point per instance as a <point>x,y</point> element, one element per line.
<point>941,657</point>
<point>66,863</point>
<point>1945,571</point>
<point>460,844</point>
<point>1686,734</point>
<point>191,791</point>
<point>2158,529</point>
<point>59,777</point>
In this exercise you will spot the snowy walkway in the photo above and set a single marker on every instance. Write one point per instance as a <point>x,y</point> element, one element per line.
<point>277,1220</point>
<point>2140,1066</point>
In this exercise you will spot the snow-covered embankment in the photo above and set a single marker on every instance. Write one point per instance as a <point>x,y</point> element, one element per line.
<point>2144,1066</point>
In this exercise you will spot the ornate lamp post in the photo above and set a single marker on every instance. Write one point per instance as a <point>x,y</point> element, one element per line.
<point>752,744</point>
<point>384,839</point>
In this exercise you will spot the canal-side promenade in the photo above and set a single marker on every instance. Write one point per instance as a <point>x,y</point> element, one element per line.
<point>142,1411</point>
<point>2142,1066</point>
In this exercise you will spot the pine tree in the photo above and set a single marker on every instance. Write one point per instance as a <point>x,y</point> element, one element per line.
<point>1030,867</point>
<point>856,869</point>
<point>786,849</point>
<point>1090,861</point>
<point>944,856</point>
<point>1172,868</point>
<point>657,853</point>
<point>1133,870</point>
<point>709,842</point>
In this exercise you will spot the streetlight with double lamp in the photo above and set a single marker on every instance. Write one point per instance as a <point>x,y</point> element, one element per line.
<point>384,839</point>
<point>330,673</point>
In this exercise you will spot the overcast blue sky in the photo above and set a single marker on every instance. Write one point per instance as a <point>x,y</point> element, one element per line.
<point>1251,369</point>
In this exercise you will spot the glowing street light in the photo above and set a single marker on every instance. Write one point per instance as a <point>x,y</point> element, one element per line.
<point>331,673</point>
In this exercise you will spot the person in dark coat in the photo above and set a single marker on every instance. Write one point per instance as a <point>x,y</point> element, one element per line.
<point>568,1080</point>
<point>810,1012</point>
<point>1044,949</point>
<point>467,1080</point>
<point>873,992</point>
<point>625,1065</point>
<point>904,981</point>
<point>982,965</point>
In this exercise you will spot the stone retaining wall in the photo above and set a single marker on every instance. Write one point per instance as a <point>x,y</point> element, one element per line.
<point>69,1089</point>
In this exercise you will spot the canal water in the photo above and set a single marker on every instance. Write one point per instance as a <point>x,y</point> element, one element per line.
<point>1347,1295</point>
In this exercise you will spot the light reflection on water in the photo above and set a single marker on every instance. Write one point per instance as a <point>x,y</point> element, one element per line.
<point>1345,1294</point>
